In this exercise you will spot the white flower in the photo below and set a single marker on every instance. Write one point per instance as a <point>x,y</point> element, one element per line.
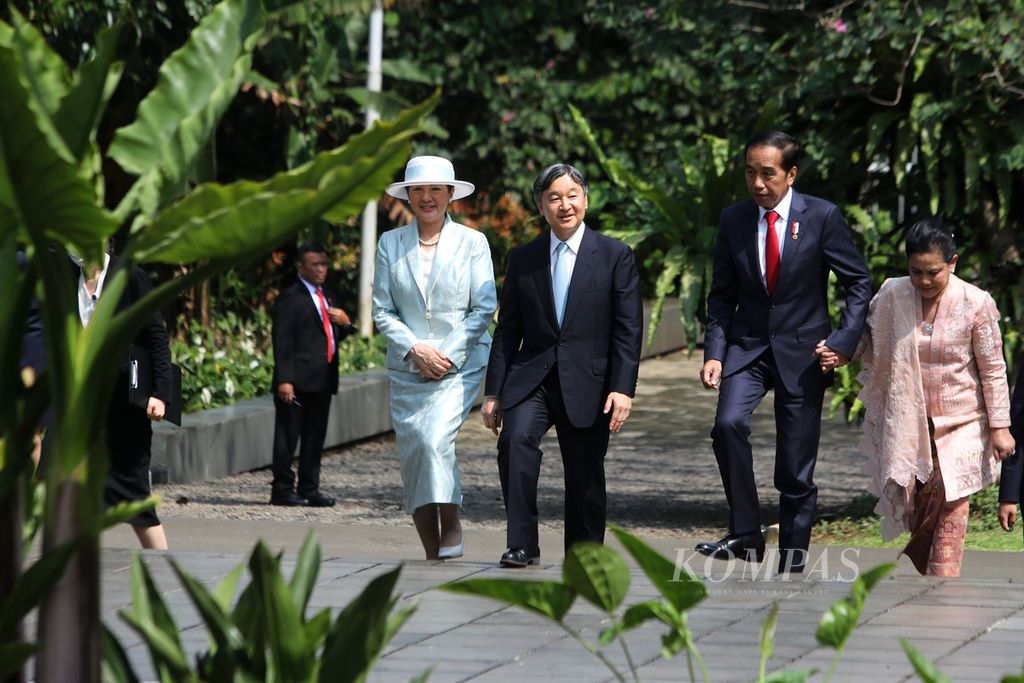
<point>229,387</point>
<point>200,355</point>
<point>218,355</point>
<point>254,364</point>
<point>197,340</point>
<point>207,396</point>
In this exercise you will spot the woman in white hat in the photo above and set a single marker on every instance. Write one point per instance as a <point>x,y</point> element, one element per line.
<point>433,299</point>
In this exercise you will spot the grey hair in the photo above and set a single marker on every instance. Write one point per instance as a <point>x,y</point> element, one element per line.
<point>553,173</point>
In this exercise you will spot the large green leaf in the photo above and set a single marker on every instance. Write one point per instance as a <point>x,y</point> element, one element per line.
<point>224,634</point>
<point>114,664</point>
<point>44,71</point>
<point>33,584</point>
<point>360,633</point>
<point>924,667</point>
<point>41,191</point>
<point>681,589</point>
<point>196,84</point>
<point>838,623</point>
<point>304,576</point>
<point>598,574</point>
<point>547,598</point>
<point>218,222</point>
<point>95,81</point>
<point>285,636</point>
<point>125,510</point>
<point>794,676</point>
<point>150,617</point>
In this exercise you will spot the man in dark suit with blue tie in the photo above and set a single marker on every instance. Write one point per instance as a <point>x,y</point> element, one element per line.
<point>566,352</point>
<point>307,330</point>
<point>768,328</point>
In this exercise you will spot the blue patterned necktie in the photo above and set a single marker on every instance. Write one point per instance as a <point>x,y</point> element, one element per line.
<point>560,276</point>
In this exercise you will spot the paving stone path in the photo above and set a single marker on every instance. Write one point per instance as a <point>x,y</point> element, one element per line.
<point>661,472</point>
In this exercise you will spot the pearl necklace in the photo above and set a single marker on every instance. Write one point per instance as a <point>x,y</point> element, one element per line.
<point>429,244</point>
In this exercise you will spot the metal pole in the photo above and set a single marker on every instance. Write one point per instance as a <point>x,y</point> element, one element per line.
<point>369,235</point>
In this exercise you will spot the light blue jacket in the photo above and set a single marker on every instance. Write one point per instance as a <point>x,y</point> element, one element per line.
<point>454,312</point>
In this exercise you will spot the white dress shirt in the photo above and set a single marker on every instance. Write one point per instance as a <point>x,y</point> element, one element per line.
<point>780,228</point>
<point>87,301</point>
<point>573,244</point>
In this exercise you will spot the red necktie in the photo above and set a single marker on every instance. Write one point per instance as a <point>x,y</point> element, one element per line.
<point>327,321</point>
<point>771,252</point>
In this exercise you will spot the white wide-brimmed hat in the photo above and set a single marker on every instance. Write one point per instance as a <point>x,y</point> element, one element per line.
<point>430,170</point>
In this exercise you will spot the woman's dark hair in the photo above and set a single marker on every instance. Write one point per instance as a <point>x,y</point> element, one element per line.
<point>931,234</point>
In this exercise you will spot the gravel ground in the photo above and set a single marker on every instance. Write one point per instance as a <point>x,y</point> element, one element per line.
<point>661,472</point>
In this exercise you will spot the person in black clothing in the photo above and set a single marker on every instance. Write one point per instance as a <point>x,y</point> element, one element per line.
<point>307,330</point>
<point>1011,477</point>
<point>129,433</point>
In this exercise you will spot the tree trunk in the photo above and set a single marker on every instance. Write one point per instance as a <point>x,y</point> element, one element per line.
<point>10,563</point>
<point>69,623</point>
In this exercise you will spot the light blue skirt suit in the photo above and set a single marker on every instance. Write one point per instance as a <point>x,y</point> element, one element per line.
<point>451,314</point>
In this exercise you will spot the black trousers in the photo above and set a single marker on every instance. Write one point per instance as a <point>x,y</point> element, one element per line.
<point>797,432</point>
<point>304,424</point>
<point>519,458</point>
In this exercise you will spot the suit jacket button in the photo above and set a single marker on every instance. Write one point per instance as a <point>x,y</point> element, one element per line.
<point>772,335</point>
<point>427,316</point>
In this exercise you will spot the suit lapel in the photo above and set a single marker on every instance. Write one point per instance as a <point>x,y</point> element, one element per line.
<point>580,275</point>
<point>541,258</point>
<point>409,240</point>
<point>797,214</point>
<point>309,305</point>
<point>750,245</point>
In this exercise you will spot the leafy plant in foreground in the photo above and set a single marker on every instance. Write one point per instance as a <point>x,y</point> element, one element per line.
<point>598,575</point>
<point>266,636</point>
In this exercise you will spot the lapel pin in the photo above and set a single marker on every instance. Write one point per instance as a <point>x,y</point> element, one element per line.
<point>795,229</point>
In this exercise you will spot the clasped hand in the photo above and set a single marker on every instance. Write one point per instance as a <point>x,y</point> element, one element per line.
<point>431,363</point>
<point>829,358</point>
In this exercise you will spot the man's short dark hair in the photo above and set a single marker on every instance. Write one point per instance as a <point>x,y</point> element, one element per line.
<point>792,153</point>
<point>310,248</point>
<point>931,234</point>
<point>553,173</point>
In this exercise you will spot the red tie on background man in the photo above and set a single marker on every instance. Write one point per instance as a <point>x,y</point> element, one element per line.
<point>327,321</point>
<point>771,252</point>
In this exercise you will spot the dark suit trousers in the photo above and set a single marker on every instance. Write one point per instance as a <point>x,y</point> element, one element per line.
<point>797,431</point>
<point>306,426</point>
<point>519,457</point>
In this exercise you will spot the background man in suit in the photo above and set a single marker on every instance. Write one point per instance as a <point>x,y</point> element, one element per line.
<point>767,321</point>
<point>307,330</point>
<point>566,352</point>
<point>1011,475</point>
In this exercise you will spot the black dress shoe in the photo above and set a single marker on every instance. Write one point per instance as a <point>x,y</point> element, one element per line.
<point>318,500</point>
<point>520,557</point>
<point>291,499</point>
<point>740,546</point>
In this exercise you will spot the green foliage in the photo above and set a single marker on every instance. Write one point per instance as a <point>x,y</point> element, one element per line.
<point>233,360</point>
<point>601,577</point>
<point>924,668</point>
<point>266,636</point>
<point>840,621</point>
<point>49,200</point>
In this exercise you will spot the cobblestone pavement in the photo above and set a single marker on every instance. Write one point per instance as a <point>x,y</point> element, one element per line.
<point>661,472</point>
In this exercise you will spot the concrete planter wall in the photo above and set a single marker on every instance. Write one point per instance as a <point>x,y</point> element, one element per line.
<point>221,441</point>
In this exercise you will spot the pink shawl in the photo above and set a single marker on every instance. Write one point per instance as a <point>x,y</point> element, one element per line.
<point>971,389</point>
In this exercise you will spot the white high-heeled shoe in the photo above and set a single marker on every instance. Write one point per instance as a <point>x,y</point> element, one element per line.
<point>452,551</point>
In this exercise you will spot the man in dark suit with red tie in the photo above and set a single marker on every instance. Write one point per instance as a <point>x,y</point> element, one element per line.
<point>768,328</point>
<point>307,330</point>
<point>566,352</point>
<point>1011,475</point>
